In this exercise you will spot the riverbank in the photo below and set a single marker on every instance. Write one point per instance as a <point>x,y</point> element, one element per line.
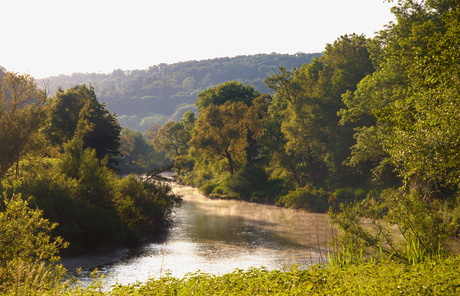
<point>252,184</point>
<point>439,277</point>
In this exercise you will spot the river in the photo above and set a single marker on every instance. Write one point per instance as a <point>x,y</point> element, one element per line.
<point>217,237</point>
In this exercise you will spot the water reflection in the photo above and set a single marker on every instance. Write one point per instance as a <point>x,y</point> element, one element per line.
<point>219,236</point>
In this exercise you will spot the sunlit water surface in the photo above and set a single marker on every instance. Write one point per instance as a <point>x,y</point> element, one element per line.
<point>217,237</point>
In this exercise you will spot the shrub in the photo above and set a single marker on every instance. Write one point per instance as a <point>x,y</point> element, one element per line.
<point>207,188</point>
<point>90,203</point>
<point>219,190</point>
<point>25,245</point>
<point>247,180</point>
<point>306,198</point>
<point>344,194</point>
<point>360,193</point>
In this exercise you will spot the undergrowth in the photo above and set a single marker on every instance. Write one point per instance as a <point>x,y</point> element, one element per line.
<point>386,278</point>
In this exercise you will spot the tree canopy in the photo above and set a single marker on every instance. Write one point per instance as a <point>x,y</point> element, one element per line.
<point>22,114</point>
<point>104,134</point>
<point>165,92</point>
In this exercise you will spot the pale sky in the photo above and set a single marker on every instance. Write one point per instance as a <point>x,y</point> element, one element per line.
<point>51,37</point>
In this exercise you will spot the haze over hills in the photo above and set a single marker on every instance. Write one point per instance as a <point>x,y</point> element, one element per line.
<point>165,92</point>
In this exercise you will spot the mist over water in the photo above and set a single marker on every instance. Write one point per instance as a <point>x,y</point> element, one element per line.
<point>219,236</point>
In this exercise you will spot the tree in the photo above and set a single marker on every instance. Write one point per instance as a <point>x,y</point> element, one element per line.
<point>104,136</point>
<point>411,102</point>
<point>221,133</point>
<point>310,98</point>
<point>152,131</point>
<point>22,113</point>
<point>426,146</point>
<point>138,153</point>
<point>173,138</point>
<point>232,91</point>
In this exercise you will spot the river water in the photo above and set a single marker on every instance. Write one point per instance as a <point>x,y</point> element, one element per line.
<point>217,237</point>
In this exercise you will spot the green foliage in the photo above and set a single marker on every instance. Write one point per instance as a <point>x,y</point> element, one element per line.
<point>349,194</point>
<point>219,191</point>
<point>231,118</point>
<point>138,154</point>
<point>246,181</point>
<point>144,205</point>
<point>398,226</point>
<point>221,133</point>
<point>104,129</point>
<point>167,87</point>
<point>407,108</point>
<point>26,245</point>
<point>315,200</point>
<point>208,188</point>
<point>310,97</point>
<point>362,279</point>
<point>22,114</point>
<point>426,149</point>
<point>230,91</point>
<point>90,203</point>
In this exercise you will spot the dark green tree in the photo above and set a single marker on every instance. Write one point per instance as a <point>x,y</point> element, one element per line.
<point>310,98</point>
<point>138,153</point>
<point>104,136</point>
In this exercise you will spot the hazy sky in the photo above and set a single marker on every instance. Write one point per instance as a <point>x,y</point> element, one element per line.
<point>51,37</point>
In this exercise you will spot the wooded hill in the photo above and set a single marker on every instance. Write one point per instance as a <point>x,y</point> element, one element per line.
<point>165,92</point>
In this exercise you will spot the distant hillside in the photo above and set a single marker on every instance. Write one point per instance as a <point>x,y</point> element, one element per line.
<point>165,92</point>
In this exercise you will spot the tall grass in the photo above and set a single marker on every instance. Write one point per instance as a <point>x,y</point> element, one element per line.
<point>393,226</point>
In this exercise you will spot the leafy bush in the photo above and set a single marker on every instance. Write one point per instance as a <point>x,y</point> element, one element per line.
<point>25,245</point>
<point>306,198</point>
<point>271,193</point>
<point>207,188</point>
<point>374,279</point>
<point>90,203</point>
<point>349,194</point>
<point>344,194</point>
<point>249,179</point>
<point>360,193</point>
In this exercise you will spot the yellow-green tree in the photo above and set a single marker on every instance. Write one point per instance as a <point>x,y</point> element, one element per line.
<point>173,138</point>
<point>22,113</point>
<point>220,133</point>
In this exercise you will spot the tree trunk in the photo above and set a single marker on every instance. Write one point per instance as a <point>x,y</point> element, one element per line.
<point>230,162</point>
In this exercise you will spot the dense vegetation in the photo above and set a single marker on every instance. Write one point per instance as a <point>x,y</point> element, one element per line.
<point>363,279</point>
<point>165,92</point>
<point>58,185</point>
<point>368,114</point>
<point>369,130</point>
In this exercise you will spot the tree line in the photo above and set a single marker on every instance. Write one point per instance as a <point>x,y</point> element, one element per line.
<point>165,92</point>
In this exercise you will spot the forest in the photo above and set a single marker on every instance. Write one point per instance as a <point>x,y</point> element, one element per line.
<point>165,92</point>
<point>366,131</point>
